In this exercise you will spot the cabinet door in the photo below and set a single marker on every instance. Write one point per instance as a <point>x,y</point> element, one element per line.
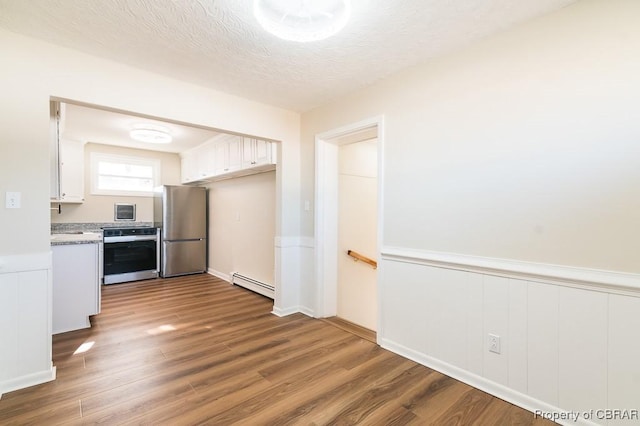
<point>220,158</point>
<point>248,152</point>
<point>262,152</point>
<point>54,150</point>
<point>206,161</point>
<point>71,171</point>
<point>255,152</point>
<point>235,153</point>
<point>76,290</point>
<point>189,167</point>
<point>228,155</point>
<point>100,277</point>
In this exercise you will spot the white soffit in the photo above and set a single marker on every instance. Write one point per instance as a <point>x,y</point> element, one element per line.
<point>219,44</point>
<point>87,124</point>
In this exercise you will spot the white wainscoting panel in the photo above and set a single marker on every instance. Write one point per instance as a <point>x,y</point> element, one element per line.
<point>450,341</point>
<point>307,277</point>
<point>475,323</point>
<point>517,335</point>
<point>290,253</point>
<point>496,321</point>
<point>582,338</point>
<point>35,331</point>
<point>624,355</point>
<point>9,314</point>
<point>542,342</point>
<point>406,318</point>
<point>566,343</point>
<point>25,321</point>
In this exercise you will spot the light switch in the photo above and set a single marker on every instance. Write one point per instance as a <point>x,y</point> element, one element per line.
<point>13,200</point>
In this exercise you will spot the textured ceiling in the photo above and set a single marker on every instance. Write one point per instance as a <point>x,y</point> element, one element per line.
<point>219,44</point>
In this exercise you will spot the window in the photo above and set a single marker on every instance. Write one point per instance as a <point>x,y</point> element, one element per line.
<point>123,175</point>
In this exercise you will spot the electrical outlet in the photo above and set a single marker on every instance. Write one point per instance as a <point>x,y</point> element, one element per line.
<point>494,343</point>
<point>12,200</point>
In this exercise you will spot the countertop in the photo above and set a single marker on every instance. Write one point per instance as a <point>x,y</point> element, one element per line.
<point>76,238</point>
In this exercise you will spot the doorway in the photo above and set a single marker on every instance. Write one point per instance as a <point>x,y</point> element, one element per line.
<point>336,176</point>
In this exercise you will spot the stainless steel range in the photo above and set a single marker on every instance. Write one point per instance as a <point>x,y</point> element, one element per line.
<point>130,254</point>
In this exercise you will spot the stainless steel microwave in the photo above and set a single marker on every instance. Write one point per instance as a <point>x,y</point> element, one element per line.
<point>124,212</point>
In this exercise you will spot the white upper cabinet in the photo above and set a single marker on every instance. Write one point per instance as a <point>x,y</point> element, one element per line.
<point>198,163</point>
<point>71,171</point>
<point>67,162</point>
<point>54,151</point>
<point>189,166</point>
<point>256,152</point>
<point>227,156</point>
<point>67,175</point>
<point>205,161</point>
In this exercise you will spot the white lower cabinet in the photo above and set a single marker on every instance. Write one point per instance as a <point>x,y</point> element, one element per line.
<point>76,286</point>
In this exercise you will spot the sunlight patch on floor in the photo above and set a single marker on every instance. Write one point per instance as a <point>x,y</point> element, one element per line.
<point>84,348</point>
<point>161,329</point>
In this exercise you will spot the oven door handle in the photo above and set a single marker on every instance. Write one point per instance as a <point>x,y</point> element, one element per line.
<point>128,239</point>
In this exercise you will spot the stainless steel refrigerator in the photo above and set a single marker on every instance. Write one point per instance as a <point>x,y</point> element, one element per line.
<point>181,213</point>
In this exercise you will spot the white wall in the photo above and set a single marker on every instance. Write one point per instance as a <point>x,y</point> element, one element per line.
<point>32,72</point>
<point>357,231</point>
<point>505,159</point>
<point>242,227</point>
<point>99,208</point>
<point>520,146</point>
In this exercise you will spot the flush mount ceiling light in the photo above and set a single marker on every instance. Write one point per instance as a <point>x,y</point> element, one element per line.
<point>150,133</point>
<point>302,20</point>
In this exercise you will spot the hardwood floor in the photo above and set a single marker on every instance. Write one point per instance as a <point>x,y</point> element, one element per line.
<point>196,350</point>
<point>352,328</point>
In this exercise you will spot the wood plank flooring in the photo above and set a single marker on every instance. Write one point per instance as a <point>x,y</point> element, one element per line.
<point>352,328</point>
<point>196,350</point>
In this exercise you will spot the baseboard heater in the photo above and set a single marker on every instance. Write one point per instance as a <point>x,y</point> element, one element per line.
<point>253,285</point>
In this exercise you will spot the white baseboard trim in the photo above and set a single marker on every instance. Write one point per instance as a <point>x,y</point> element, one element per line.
<point>218,274</point>
<point>590,279</point>
<point>283,312</point>
<point>307,311</point>
<point>28,380</point>
<point>495,389</point>
<point>289,311</point>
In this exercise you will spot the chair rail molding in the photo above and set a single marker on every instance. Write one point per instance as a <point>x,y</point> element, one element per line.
<point>624,283</point>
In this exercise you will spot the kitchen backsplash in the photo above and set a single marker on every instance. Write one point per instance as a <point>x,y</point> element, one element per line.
<point>61,228</point>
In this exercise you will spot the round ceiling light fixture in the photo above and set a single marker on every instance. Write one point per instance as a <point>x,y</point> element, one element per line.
<point>302,20</point>
<point>150,133</point>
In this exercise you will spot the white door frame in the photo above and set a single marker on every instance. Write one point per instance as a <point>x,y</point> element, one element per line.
<point>326,212</point>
